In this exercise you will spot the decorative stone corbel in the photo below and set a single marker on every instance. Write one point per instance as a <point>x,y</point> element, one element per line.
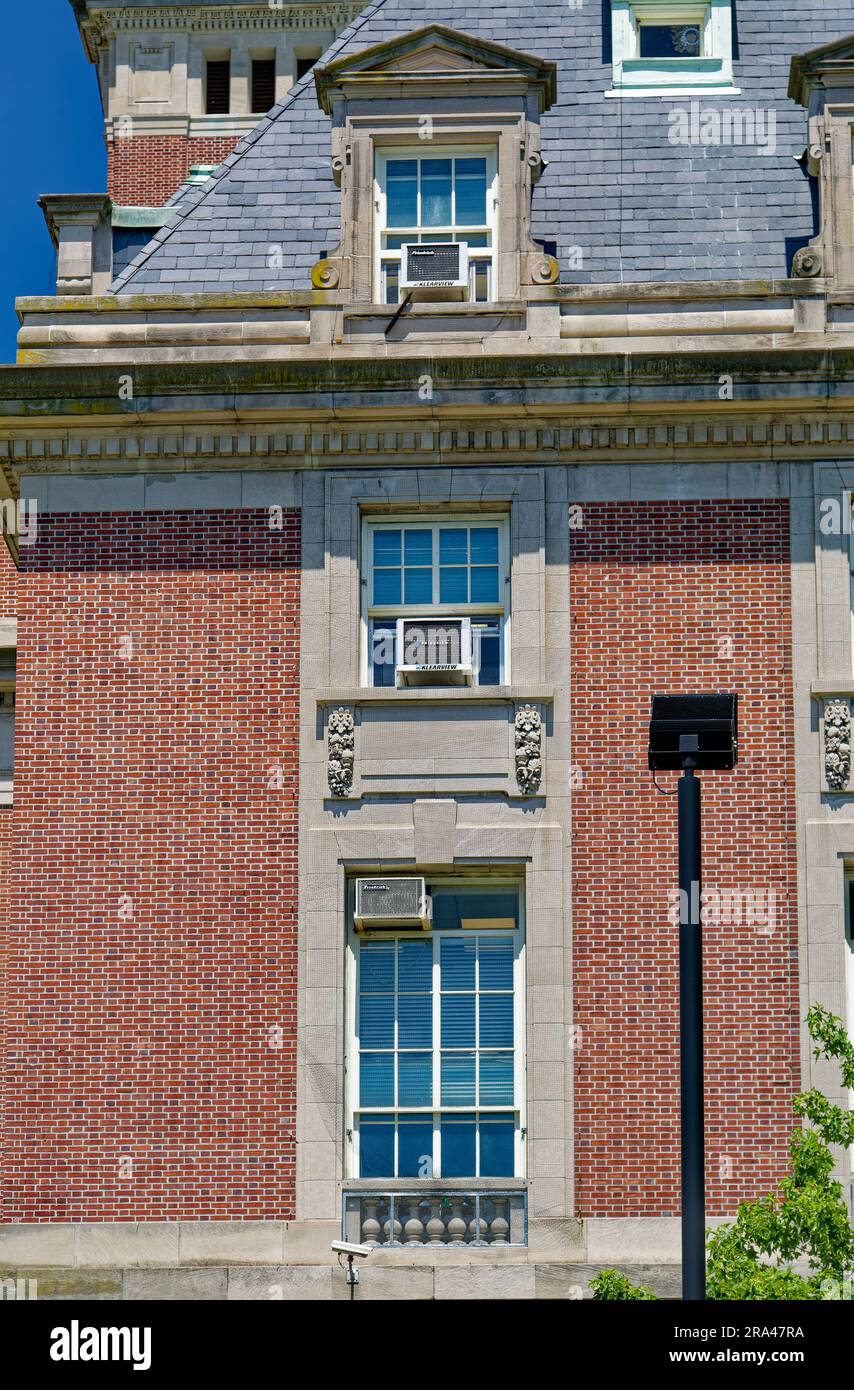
<point>326,274</point>
<point>542,269</point>
<point>837,744</point>
<point>529,752</point>
<point>341,744</point>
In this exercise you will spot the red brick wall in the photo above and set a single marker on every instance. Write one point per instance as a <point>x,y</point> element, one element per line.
<point>656,591</point>
<point>145,170</point>
<point>152,951</point>
<point>8,609</point>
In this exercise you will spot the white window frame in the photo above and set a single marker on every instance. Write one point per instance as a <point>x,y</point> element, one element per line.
<point>707,75</point>
<point>410,521</point>
<point>427,150</point>
<point>351,1088</point>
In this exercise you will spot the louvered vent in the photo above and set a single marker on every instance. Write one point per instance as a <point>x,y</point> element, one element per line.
<point>263,84</point>
<point>218,87</point>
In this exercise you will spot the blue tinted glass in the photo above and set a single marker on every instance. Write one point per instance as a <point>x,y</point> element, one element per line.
<point>453,585</point>
<point>489,650</point>
<point>386,586</point>
<point>670,40</point>
<point>376,967</point>
<point>386,547</point>
<point>402,194</point>
<point>376,1149</point>
<point>418,586</point>
<point>435,192</point>
<point>418,548</point>
<point>458,1078</point>
<point>457,958</point>
<point>471,197</point>
<point>391,276</point>
<point>415,1078</point>
<point>453,547</point>
<point>376,1078</point>
<point>496,1078</point>
<point>458,1020</point>
<point>484,584</point>
<point>476,239</point>
<point>415,965</point>
<point>484,545</point>
<point>383,653</point>
<point>473,166</point>
<point>458,1146</point>
<point>376,1020</point>
<point>414,1148</point>
<point>496,958</point>
<point>415,1021</point>
<point>496,1148</point>
<point>496,1020</point>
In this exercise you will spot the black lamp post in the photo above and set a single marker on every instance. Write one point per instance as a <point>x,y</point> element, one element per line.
<point>686,733</point>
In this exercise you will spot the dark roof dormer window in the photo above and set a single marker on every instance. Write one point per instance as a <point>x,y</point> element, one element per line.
<point>672,47</point>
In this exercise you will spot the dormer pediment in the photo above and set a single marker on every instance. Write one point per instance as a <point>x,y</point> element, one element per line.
<point>832,65</point>
<point>438,56</point>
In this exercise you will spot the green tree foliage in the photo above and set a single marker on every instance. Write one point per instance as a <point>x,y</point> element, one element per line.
<point>609,1286</point>
<point>805,1222</point>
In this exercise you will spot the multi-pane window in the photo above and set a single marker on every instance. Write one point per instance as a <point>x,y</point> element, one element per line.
<point>454,568</point>
<point>436,1056</point>
<point>434,198</point>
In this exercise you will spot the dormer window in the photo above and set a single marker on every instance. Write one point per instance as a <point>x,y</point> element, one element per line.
<point>448,195</point>
<point>662,47</point>
<point>430,131</point>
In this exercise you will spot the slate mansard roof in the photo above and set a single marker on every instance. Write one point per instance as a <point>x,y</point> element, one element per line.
<point>639,207</point>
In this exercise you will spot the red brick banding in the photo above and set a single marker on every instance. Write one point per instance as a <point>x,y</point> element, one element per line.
<point>661,594</point>
<point>145,170</point>
<point>151,957</point>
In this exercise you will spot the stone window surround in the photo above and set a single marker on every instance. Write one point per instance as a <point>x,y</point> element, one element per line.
<point>457,834</point>
<point>710,75</point>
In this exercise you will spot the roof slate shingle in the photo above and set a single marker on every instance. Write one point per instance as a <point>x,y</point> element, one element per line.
<point>638,207</point>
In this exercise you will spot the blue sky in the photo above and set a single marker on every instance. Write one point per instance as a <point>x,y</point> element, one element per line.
<point>50,112</point>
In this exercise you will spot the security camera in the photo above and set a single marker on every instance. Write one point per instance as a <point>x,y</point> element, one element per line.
<point>346,1247</point>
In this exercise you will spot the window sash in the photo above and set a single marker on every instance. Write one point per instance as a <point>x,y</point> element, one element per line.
<point>436,1111</point>
<point>481,257</point>
<point>374,614</point>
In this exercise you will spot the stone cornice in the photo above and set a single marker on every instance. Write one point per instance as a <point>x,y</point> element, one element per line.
<point>310,443</point>
<point>100,25</point>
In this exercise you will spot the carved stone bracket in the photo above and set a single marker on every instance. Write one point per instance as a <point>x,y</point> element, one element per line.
<point>341,743</point>
<point>837,744</point>
<point>529,753</point>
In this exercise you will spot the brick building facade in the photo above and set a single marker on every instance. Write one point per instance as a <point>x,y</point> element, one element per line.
<point>600,454</point>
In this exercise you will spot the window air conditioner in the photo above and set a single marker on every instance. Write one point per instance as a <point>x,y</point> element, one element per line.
<point>391,904</point>
<point>434,651</point>
<point>435,269</point>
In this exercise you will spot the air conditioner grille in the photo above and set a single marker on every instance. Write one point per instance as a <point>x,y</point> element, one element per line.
<point>388,898</point>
